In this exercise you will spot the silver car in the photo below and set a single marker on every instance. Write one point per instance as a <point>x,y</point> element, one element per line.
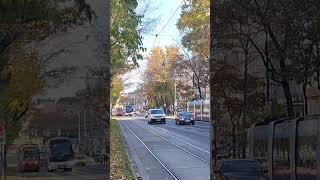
<point>156,115</point>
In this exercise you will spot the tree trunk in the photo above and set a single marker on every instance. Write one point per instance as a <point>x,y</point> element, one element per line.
<point>200,93</point>
<point>305,98</point>
<point>234,136</point>
<point>156,101</point>
<point>244,119</point>
<point>287,93</point>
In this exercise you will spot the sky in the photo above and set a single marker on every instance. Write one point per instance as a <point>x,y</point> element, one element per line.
<point>164,9</point>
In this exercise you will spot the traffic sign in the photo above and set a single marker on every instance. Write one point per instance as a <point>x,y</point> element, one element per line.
<point>2,135</point>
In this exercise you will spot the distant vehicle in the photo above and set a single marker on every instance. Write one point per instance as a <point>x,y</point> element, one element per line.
<point>114,112</point>
<point>184,118</point>
<point>156,115</point>
<point>238,169</point>
<point>128,110</point>
<point>119,112</point>
<point>60,154</point>
<point>28,158</point>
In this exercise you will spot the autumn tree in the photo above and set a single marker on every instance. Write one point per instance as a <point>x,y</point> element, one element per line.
<point>158,76</point>
<point>194,25</point>
<point>117,87</point>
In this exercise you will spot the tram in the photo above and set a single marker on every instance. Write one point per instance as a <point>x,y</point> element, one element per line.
<point>28,158</point>
<point>200,109</point>
<point>288,148</point>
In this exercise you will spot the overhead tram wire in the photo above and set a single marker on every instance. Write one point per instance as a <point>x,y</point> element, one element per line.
<point>167,22</point>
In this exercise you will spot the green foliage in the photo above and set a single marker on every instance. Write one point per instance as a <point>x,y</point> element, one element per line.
<point>194,24</point>
<point>277,110</point>
<point>116,88</point>
<point>126,41</point>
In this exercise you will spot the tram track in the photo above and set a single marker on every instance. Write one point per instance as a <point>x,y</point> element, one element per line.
<point>170,172</point>
<point>177,138</point>
<point>178,146</point>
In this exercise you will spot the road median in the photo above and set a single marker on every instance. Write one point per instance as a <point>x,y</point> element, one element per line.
<point>120,164</point>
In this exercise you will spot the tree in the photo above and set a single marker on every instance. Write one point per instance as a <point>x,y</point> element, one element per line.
<point>116,89</point>
<point>194,24</point>
<point>158,76</point>
<point>126,40</point>
<point>23,23</point>
<point>275,38</point>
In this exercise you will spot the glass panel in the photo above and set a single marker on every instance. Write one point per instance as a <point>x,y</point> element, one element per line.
<point>306,150</point>
<point>157,112</point>
<point>260,144</point>
<point>206,110</point>
<point>281,151</point>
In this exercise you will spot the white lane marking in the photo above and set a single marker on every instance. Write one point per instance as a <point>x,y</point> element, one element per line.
<point>190,130</point>
<point>175,144</point>
<point>169,134</point>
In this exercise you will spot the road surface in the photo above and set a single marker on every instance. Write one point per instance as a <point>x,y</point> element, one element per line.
<point>89,172</point>
<point>168,151</point>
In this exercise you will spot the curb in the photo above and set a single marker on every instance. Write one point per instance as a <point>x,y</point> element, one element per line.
<point>134,168</point>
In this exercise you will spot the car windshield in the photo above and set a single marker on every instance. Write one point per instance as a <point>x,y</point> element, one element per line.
<point>30,154</point>
<point>184,114</point>
<point>61,152</point>
<point>157,111</point>
<point>239,166</point>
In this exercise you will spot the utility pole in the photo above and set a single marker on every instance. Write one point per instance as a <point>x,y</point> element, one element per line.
<point>175,93</point>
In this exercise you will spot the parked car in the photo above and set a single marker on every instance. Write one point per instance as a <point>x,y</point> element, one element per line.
<point>82,160</point>
<point>156,115</point>
<point>184,118</point>
<point>119,112</point>
<point>239,169</point>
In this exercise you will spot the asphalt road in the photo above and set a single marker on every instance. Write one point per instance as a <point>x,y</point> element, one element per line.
<point>168,151</point>
<point>89,172</point>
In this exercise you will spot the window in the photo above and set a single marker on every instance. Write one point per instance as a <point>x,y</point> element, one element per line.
<point>157,111</point>
<point>281,151</point>
<point>306,149</point>
<point>260,143</point>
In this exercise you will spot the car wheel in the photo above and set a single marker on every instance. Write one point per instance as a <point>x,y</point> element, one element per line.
<point>192,123</point>
<point>176,123</point>
<point>164,121</point>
